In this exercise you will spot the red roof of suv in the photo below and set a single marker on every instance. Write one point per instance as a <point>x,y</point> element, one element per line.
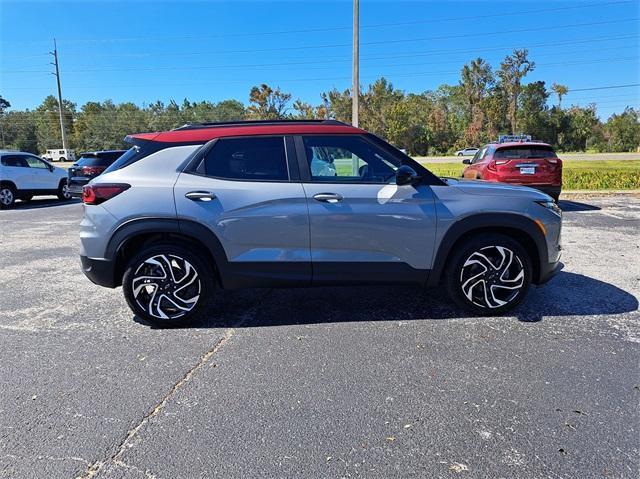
<point>208,131</point>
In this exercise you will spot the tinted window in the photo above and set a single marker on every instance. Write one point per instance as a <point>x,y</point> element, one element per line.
<point>524,152</point>
<point>15,160</point>
<point>247,159</point>
<point>102,160</point>
<point>348,159</point>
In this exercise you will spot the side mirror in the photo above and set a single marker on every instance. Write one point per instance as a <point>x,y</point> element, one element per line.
<point>405,175</point>
<point>51,168</point>
<point>466,161</point>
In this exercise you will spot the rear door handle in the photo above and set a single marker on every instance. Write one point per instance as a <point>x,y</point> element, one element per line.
<point>328,197</point>
<point>200,196</point>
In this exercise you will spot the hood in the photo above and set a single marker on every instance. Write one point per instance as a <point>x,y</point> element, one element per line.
<point>491,188</point>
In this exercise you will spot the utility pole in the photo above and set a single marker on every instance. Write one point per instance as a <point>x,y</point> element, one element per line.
<point>355,89</point>
<point>57,75</point>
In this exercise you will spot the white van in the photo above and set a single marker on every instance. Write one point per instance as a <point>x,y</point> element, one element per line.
<point>59,155</point>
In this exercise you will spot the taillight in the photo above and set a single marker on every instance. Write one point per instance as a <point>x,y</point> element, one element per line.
<point>96,194</point>
<point>92,170</point>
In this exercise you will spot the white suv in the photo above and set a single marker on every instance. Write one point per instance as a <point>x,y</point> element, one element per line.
<point>23,176</point>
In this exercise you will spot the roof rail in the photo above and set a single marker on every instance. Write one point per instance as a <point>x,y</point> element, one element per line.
<point>215,124</point>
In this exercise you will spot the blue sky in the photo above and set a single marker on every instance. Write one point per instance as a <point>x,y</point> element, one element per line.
<point>142,51</point>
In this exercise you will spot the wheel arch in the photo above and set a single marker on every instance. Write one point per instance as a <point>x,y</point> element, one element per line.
<point>520,228</point>
<point>9,183</point>
<point>134,235</point>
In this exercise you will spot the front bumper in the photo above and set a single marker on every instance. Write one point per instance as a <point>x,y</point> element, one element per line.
<point>99,271</point>
<point>548,271</point>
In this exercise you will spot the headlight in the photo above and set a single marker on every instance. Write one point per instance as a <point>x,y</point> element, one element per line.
<point>550,205</point>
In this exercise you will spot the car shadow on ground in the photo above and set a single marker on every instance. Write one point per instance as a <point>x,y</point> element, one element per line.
<point>46,202</point>
<point>568,294</point>
<point>566,205</point>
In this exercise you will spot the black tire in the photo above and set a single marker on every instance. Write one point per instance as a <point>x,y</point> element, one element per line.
<point>470,271</point>
<point>140,289</point>
<point>460,154</point>
<point>556,197</point>
<point>62,159</point>
<point>7,196</point>
<point>63,191</point>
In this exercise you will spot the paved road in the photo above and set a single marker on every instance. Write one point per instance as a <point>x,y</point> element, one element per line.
<point>356,382</point>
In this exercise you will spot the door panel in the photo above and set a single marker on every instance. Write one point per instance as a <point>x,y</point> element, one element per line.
<point>41,176</point>
<point>372,224</point>
<point>263,226</point>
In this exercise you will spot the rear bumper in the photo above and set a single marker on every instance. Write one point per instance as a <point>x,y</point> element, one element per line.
<point>553,191</point>
<point>75,186</point>
<point>100,272</point>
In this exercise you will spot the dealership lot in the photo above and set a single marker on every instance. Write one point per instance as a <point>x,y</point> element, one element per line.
<point>368,382</point>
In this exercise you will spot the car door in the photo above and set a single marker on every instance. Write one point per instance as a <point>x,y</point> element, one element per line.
<point>250,197</point>
<point>42,177</point>
<point>16,169</point>
<point>364,227</point>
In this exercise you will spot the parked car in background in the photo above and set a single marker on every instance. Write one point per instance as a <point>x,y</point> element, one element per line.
<point>89,165</point>
<point>467,152</point>
<point>59,155</point>
<point>517,160</point>
<point>23,176</point>
<point>188,212</point>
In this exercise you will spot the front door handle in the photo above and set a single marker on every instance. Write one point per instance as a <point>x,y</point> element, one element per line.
<point>200,196</point>
<point>328,197</point>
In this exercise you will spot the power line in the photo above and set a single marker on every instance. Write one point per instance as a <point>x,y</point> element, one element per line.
<point>336,28</point>
<point>270,65</point>
<point>339,45</point>
<point>292,80</point>
<point>605,87</point>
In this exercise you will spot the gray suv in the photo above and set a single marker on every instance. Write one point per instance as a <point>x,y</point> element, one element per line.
<point>186,213</point>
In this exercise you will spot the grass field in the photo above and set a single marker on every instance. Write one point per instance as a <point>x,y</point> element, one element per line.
<point>576,175</point>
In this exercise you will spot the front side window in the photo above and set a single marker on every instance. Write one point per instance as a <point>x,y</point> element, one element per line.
<point>257,159</point>
<point>349,159</point>
<point>34,162</point>
<point>479,155</point>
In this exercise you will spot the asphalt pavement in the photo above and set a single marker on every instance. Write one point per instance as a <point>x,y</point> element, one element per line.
<point>320,383</point>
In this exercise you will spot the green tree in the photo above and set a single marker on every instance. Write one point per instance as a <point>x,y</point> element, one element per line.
<point>622,131</point>
<point>265,103</point>
<point>512,70</point>
<point>533,113</point>
<point>48,122</point>
<point>476,79</point>
<point>559,90</point>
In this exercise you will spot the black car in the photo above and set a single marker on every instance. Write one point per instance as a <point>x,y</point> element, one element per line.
<point>90,165</point>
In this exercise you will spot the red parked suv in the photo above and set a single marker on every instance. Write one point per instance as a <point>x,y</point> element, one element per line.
<point>517,160</point>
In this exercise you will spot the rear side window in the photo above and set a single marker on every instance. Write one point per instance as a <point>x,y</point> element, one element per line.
<point>14,160</point>
<point>257,159</point>
<point>524,152</point>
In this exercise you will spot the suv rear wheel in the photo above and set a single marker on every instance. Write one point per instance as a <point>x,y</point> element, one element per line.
<point>63,191</point>
<point>489,274</point>
<point>167,285</point>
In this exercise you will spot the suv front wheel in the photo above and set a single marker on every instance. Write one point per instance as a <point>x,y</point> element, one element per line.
<point>489,274</point>
<point>167,285</point>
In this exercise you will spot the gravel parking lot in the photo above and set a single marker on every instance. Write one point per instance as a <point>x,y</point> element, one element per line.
<point>353,382</point>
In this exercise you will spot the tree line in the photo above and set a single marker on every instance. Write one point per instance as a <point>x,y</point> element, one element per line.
<point>482,105</point>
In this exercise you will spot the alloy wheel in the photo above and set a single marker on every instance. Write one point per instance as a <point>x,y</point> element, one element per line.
<point>65,191</point>
<point>166,286</point>
<point>492,277</point>
<point>6,196</point>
